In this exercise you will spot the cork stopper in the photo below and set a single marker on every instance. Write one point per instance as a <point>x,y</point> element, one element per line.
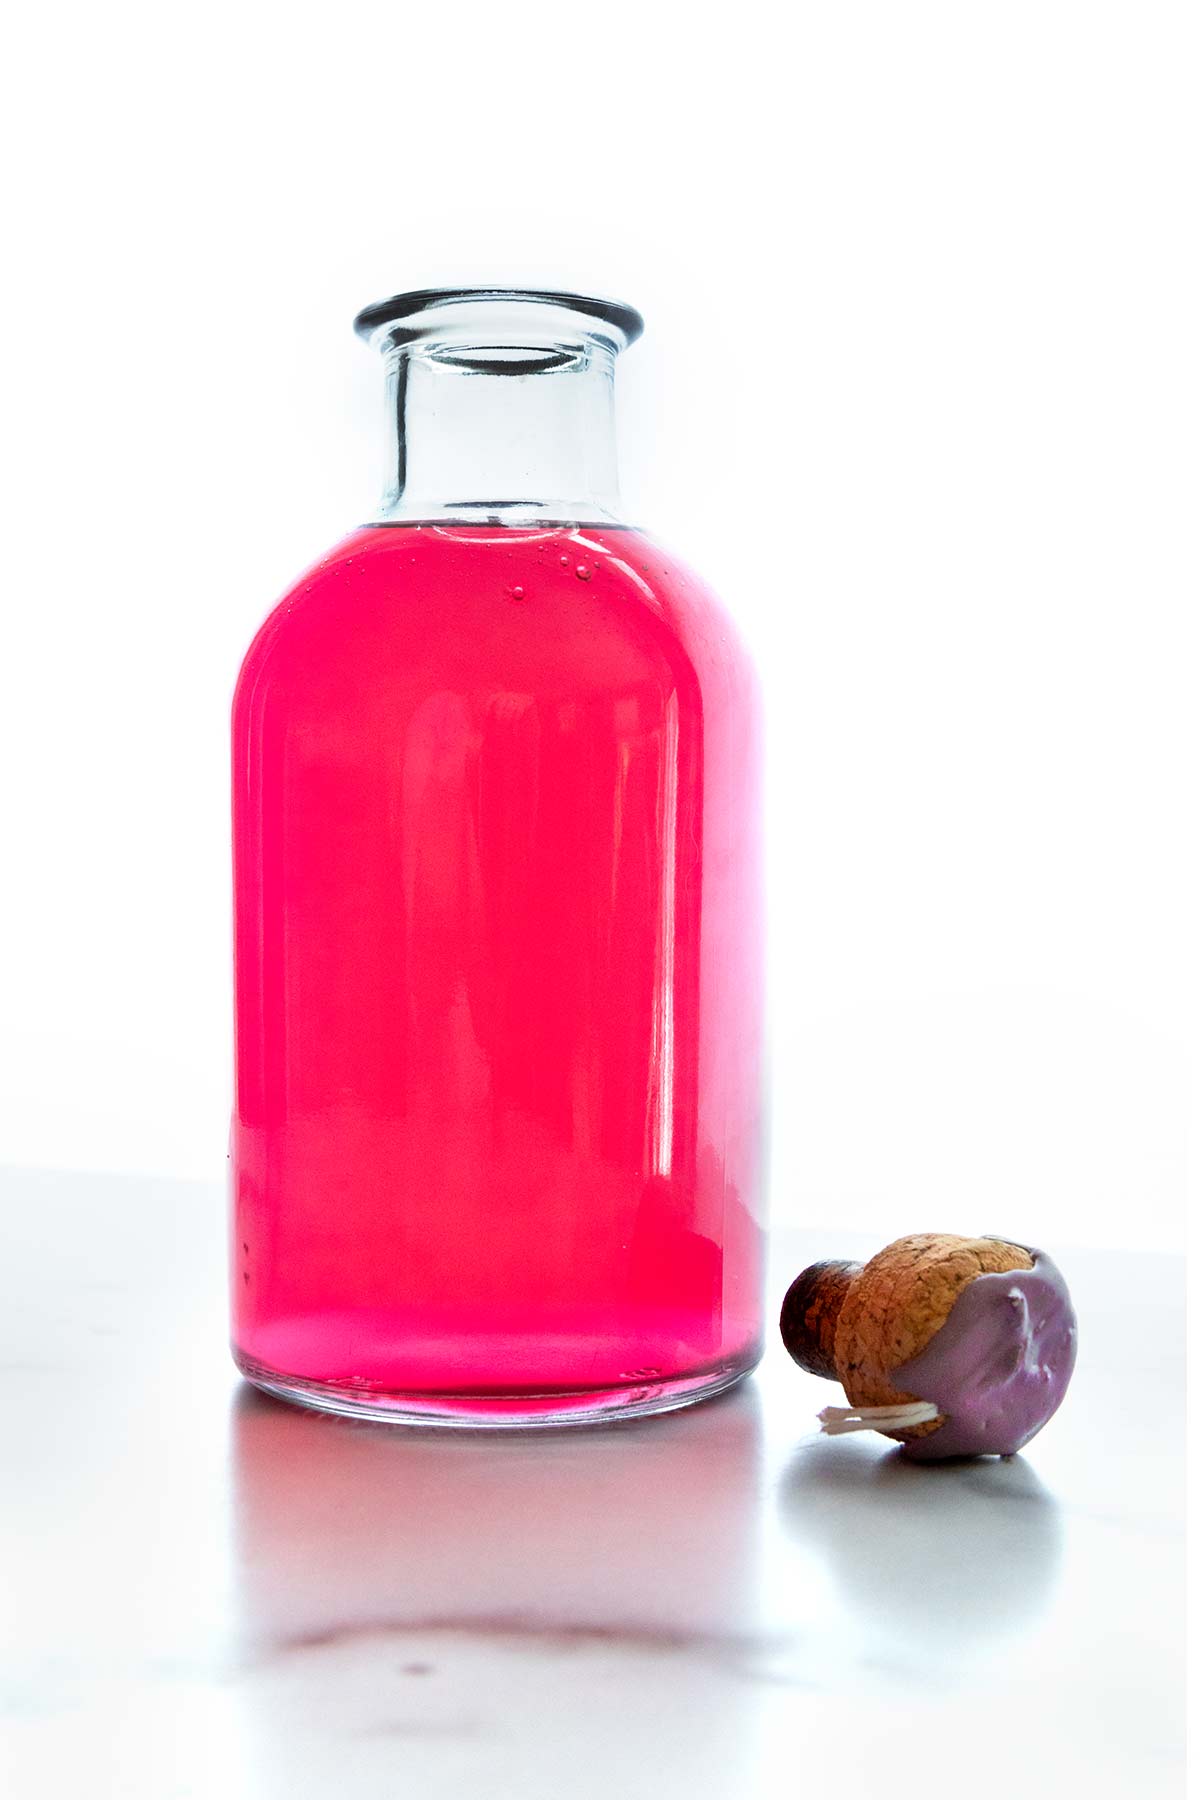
<point>869,1326</point>
<point>902,1298</point>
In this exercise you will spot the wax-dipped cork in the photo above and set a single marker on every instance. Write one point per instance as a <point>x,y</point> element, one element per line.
<point>954,1346</point>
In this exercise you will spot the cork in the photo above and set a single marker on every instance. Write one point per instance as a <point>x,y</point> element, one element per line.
<point>857,1324</point>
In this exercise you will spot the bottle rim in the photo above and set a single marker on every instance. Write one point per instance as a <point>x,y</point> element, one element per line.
<point>398,309</point>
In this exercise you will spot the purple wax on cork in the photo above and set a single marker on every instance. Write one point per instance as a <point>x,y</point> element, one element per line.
<point>998,1367</point>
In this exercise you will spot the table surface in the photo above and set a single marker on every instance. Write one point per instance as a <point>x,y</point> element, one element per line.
<point>213,1594</point>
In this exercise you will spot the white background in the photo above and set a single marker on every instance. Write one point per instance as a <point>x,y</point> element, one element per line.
<point>918,393</point>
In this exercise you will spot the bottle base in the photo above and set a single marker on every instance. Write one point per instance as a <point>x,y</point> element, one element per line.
<point>491,1412</point>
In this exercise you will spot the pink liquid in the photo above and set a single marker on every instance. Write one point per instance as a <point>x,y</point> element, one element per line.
<point>496,1128</point>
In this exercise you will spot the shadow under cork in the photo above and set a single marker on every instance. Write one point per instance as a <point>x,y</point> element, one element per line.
<point>952,1553</point>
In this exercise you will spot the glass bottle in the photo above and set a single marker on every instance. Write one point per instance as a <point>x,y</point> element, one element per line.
<point>496,1133</point>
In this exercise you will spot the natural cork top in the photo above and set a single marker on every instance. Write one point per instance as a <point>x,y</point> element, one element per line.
<point>809,1318</point>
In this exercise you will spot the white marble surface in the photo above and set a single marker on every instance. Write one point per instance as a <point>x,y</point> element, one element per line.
<point>210,1594</point>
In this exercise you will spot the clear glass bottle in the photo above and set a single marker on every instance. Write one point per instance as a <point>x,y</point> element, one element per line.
<point>496,1135</point>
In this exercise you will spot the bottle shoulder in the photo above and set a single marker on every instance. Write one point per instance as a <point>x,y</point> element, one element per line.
<point>599,599</point>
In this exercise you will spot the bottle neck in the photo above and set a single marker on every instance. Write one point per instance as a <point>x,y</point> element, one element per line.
<point>502,433</point>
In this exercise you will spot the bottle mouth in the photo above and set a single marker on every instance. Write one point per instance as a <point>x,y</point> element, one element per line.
<point>500,330</point>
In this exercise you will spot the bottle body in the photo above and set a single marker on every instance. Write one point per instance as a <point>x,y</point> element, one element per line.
<point>496,1140</point>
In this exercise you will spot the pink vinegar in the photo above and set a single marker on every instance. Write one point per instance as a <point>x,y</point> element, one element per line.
<point>496,1129</point>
